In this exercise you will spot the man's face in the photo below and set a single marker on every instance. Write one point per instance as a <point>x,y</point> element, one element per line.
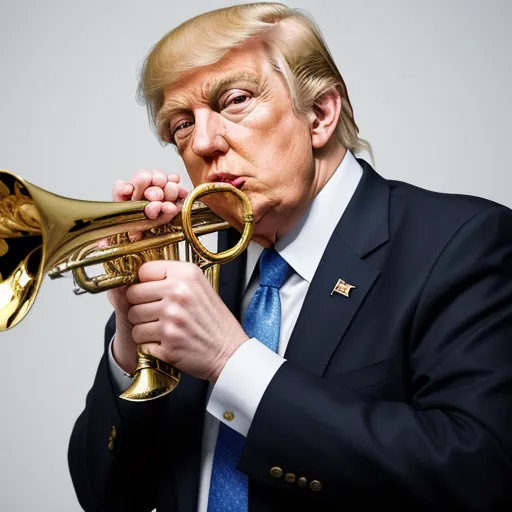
<point>234,122</point>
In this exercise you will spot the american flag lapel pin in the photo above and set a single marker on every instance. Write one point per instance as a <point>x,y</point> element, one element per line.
<point>342,288</point>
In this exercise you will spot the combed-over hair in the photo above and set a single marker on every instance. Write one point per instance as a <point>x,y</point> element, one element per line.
<point>294,43</point>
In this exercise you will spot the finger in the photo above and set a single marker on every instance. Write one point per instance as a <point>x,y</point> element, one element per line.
<point>159,178</point>
<point>143,313</point>
<point>141,181</point>
<point>122,191</point>
<point>169,211</point>
<point>154,194</point>
<point>153,209</point>
<point>183,193</point>
<point>171,191</point>
<point>144,293</point>
<point>163,213</point>
<point>156,270</point>
<point>147,333</point>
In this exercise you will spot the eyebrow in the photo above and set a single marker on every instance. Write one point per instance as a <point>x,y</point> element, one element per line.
<point>209,91</point>
<point>212,89</point>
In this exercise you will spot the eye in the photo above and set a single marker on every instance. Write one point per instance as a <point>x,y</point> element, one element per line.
<point>241,98</point>
<point>182,126</point>
<point>179,128</point>
<point>234,99</point>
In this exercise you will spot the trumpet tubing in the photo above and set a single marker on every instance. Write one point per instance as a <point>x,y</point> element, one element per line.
<point>42,233</point>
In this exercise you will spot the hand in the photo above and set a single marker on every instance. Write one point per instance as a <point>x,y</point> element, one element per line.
<point>162,191</point>
<point>182,320</point>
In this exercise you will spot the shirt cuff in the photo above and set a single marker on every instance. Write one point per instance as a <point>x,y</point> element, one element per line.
<point>120,378</point>
<point>241,384</point>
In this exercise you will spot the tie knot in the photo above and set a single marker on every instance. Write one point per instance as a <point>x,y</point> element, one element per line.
<point>273,269</point>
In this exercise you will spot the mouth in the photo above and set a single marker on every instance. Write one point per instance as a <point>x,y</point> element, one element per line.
<point>237,182</point>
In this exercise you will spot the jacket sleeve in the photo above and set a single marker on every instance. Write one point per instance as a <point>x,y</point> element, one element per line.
<point>115,471</point>
<point>451,444</point>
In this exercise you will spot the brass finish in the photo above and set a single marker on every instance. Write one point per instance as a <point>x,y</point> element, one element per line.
<point>276,472</point>
<point>229,416</point>
<point>302,482</point>
<point>44,233</point>
<point>315,486</point>
<point>153,378</point>
<point>290,478</point>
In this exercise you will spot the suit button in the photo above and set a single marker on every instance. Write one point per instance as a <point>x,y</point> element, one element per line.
<point>276,472</point>
<point>112,438</point>
<point>302,482</point>
<point>228,415</point>
<point>315,486</point>
<point>290,478</point>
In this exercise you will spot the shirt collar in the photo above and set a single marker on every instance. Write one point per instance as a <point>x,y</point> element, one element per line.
<point>303,246</point>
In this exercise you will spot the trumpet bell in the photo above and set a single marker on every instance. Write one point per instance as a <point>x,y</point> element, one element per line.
<point>39,229</point>
<point>154,378</point>
<point>21,250</point>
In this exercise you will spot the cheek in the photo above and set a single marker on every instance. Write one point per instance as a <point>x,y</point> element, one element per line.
<point>293,154</point>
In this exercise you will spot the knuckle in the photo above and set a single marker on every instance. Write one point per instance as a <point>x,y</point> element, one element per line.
<point>171,189</point>
<point>169,309</point>
<point>143,176</point>
<point>168,331</point>
<point>153,194</point>
<point>191,272</point>
<point>159,178</point>
<point>175,315</point>
<point>170,208</point>
<point>181,294</point>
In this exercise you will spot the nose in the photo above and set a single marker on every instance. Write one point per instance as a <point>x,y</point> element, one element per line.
<point>208,137</point>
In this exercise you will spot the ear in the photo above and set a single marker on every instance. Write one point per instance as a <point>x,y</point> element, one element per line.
<point>324,117</point>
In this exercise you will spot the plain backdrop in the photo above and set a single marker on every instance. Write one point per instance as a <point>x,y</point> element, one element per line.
<point>430,84</point>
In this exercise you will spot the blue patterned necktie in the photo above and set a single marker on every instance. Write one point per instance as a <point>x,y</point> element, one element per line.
<point>228,487</point>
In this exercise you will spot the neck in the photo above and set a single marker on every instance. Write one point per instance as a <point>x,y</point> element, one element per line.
<point>327,160</point>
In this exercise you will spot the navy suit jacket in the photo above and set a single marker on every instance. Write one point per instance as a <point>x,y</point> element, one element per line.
<point>399,395</point>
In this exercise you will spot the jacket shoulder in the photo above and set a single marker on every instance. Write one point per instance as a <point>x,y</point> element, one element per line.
<point>432,210</point>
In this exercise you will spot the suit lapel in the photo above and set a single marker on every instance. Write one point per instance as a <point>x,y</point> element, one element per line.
<point>325,316</point>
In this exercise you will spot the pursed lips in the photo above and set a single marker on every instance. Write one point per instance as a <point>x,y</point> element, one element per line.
<point>236,181</point>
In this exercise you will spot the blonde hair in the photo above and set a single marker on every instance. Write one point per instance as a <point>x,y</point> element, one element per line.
<point>295,46</point>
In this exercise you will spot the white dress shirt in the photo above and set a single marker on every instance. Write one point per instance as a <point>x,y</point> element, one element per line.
<point>248,372</point>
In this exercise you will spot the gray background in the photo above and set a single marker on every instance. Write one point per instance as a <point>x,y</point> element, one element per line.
<point>430,84</point>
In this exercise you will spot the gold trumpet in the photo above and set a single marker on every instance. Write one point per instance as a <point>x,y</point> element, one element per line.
<point>44,233</point>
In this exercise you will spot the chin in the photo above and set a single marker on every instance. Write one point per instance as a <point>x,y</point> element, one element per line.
<point>226,206</point>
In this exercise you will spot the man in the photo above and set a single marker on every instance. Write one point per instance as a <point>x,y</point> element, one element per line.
<point>360,351</point>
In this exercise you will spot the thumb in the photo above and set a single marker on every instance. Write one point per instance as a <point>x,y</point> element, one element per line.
<point>154,270</point>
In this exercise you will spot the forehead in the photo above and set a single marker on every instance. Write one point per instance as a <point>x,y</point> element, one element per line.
<point>249,63</point>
